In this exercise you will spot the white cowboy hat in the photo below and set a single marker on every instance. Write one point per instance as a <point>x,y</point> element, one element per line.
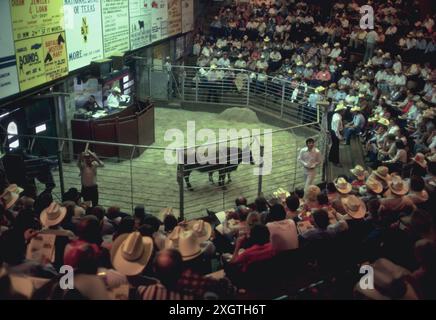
<point>52,215</point>
<point>337,44</point>
<point>345,73</point>
<point>299,63</point>
<point>116,89</point>
<point>201,229</point>
<point>382,172</point>
<point>319,89</point>
<point>307,39</point>
<point>343,186</point>
<point>266,39</point>
<point>131,252</point>
<point>374,186</point>
<point>419,158</point>
<point>340,106</point>
<point>9,198</point>
<point>354,207</point>
<point>359,172</point>
<point>308,65</point>
<point>14,188</point>
<point>213,66</point>
<point>398,186</point>
<point>189,245</point>
<point>383,122</point>
<point>325,45</point>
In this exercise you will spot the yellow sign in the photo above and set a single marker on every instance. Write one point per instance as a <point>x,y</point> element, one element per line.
<point>41,59</point>
<point>35,18</point>
<point>30,63</point>
<point>55,56</point>
<point>174,17</point>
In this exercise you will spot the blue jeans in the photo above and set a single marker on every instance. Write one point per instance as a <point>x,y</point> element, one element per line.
<point>349,132</point>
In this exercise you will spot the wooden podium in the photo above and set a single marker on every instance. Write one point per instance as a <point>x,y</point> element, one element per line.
<point>132,125</point>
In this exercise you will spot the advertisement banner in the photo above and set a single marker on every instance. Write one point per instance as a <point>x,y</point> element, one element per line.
<point>35,18</point>
<point>140,23</point>
<point>159,20</point>
<point>30,61</point>
<point>187,15</point>
<point>83,32</point>
<point>174,17</point>
<point>115,17</point>
<point>55,56</point>
<point>8,61</point>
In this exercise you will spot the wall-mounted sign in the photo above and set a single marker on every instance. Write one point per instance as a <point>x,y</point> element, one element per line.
<point>8,61</point>
<point>140,23</point>
<point>35,18</point>
<point>187,15</point>
<point>83,31</point>
<point>115,16</point>
<point>174,17</point>
<point>159,20</point>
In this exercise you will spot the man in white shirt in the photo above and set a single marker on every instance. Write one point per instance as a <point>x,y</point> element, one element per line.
<point>310,158</point>
<point>336,133</point>
<point>371,40</point>
<point>114,99</point>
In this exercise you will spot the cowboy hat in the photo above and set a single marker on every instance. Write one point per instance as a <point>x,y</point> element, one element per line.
<point>345,73</point>
<point>342,186</point>
<point>429,114</point>
<point>201,229</point>
<point>213,66</point>
<point>168,211</point>
<point>307,39</point>
<point>9,198</point>
<point>14,188</point>
<point>354,207</point>
<point>189,245</point>
<point>290,71</point>
<point>266,39</point>
<point>419,158</point>
<point>319,89</point>
<point>359,172</point>
<point>308,65</point>
<point>53,215</point>
<point>355,109</point>
<point>299,63</point>
<point>382,172</point>
<point>432,158</point>
<point>116,89</point>
<point>312,192</point>
<point>337,44</point>
<point>383,122</point>
<point>398,186</point>
<point>340,106</point>
<point>374,186</point>
<point>325,45</point>
<point>131,252</point>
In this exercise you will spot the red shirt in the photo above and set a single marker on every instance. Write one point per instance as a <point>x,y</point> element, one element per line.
<point>254,254</point>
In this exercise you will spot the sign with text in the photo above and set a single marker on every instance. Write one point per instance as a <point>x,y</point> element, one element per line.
<point>115,17</point>
<point>55,56</point>
<point>35,18</point>
<point>30,61</point>
<point>174,17</point>
<point>187,15</point>
<point>140,23</point>
<point>83,31</point>
<point>159,20</point>
<point>8,61</point>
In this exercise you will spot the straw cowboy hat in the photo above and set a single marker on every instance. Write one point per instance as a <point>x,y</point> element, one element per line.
<point>189,245</point>
<point>8,199</point>
<point>343,186</point>
<point>354,207</point>
<point>14,188</point>
<point>429,114</point>
<point>383,122</point>
<point>374,185</point>
<point>419,158</point>
<point>290,71</point>
<point>131,252</point>
<point>355,109</point>
<point>213,66</point>
<point>398,186</point>
<point>340,106</point>
<point>359,172</point>
<point>387,283</point>
<point>319,89</point>
<point>382,172</point>
<point>345,73</point>
<point>308,65</point>
<point>312,192</point>
<point>53,215</point>
<point>168,211</point>
<point>299,63</point>
<point>325,45</point>
<point>267,39</point>
<point>116,89</point>
<point>337,44</point>
<point>240,56</point>
<point>201,229</point>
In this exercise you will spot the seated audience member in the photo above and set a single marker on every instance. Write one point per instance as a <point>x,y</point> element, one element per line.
<point>423,279</point>
<point>418,195</point>
<point>310,200</point>
<point>360,175</point>
<point>292,206</point>
<point>344,188</point>
<point>283,232</point>
<point>321,222</point>
<point>396,202</point>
